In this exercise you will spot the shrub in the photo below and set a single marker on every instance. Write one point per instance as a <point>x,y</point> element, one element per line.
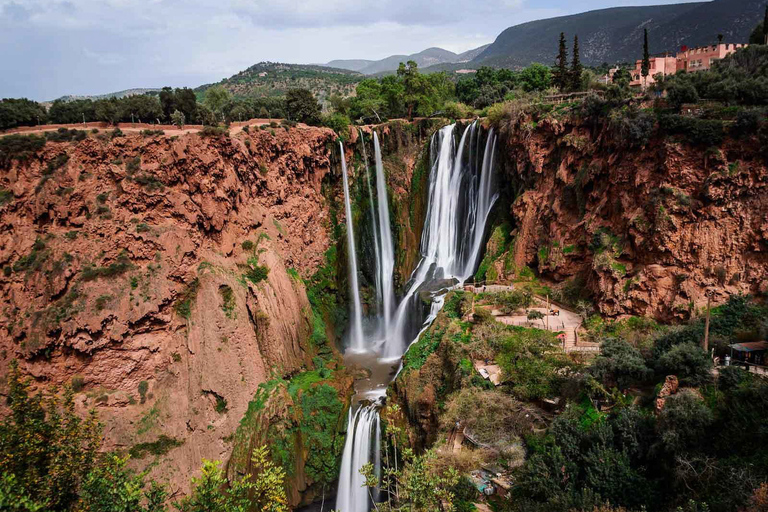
<point>143,388</point>
<point>133,165</point>
<point>680,92</point>
<point>228,300</point>
<point>257,273</point>
<point>704,132</point>
<point>620,364</point>
<point>221,405</point>
<point>632,126</point>
<point>150,182</point>
<point>5,196</point>
<point>119,267</point>
<point>65,135</point>
<point>78,383</point>
<point>688,362</point>
<point>214,131</point>
<point>683,422</point>
<point>19,147</point>
<point>339,123</point>
<point>117,132</point>
<point>183,306</point>
<point>161,446</point>
<point>247,245</point>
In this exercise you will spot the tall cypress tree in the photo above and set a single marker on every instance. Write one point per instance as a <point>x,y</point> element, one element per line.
<point>765,26</point>
<point>576,67</point>
<point>646,66</point>
<point>560,77</point>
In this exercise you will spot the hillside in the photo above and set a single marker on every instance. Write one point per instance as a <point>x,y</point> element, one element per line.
<point>118,94</point>
<point>270,79</point>
<point>615,34</point>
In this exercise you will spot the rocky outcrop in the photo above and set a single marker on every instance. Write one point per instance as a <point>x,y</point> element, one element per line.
<point>162,276</point>
<point>644,230</point>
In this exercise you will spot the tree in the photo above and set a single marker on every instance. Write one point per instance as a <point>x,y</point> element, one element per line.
<point>302,106</point>
<point>113,487</point>
<point>683,422</point>
<point>48,450</point>
<point>178,118</point>
<point>534,315</point>
<point>576,67</point>
<point>108,110</point>
<point>532,363</point>
<point>560,74</point>
<point>646,65</point>
<point>619,364</point>
<point>536,77</point>
<point>622,77</point>
<point>689,362</point>
<point>215,98</point>
<point>412,85</point>
<point>264,491</point>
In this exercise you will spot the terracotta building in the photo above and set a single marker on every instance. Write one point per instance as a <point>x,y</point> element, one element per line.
<point>664,65</point>
<point>700,59</point>
<point>687,59</point>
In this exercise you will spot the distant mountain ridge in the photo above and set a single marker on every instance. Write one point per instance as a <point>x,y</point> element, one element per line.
<point>426,58</point>
<point>616,34</point>
<point>118,95</point>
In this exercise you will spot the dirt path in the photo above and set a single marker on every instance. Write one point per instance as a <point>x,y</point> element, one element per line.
<point>169,130</point>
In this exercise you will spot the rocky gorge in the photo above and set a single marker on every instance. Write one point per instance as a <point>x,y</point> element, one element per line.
<point>194,292</point>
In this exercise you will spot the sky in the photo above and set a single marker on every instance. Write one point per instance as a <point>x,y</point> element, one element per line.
<point>50,48</point>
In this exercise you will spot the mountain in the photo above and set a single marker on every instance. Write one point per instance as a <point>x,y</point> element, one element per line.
<point>350,64</point>
<point>425,59</point>
<point>269,79</point>
<point>471,54</point>
<point>118,95</point>
<point>616,34</point>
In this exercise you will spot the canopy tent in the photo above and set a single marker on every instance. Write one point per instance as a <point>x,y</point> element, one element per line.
<point>750,346</point>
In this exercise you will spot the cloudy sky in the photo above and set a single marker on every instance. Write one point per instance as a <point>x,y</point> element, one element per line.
<point>49,48</point>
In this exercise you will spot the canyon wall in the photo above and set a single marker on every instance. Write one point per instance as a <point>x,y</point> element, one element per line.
<point>162,276</point>
<point>640,229</point>
<point>193,288</point>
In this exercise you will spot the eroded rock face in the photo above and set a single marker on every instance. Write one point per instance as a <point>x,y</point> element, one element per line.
<point>647,230</point>
<point>128,271</point>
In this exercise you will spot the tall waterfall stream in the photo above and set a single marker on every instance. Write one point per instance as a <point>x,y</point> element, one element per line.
<point>461,196</point>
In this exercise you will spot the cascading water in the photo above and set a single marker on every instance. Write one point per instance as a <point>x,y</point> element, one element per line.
<point>359,450</point>
<point>356,332</point>
<point>374,222</point>
<point>387,266</point>
<point>460,199</point>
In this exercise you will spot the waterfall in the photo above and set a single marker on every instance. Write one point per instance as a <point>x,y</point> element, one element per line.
<point>352,495</point>
<point>356,333</point>
<point>460,198</point>
<point>374,222</point>
<point>459,202</point>
<point>387,266</point>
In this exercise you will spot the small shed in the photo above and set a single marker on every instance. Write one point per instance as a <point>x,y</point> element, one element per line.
<point>750,352</point>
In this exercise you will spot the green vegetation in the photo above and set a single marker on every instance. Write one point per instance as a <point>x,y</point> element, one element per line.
<point>50,459</point>
<point>186,299</point>
<point>161,446</point>
<point>19,147</point>
<point>254,272</point>
<point>228,302</point>
<point>120,266</point>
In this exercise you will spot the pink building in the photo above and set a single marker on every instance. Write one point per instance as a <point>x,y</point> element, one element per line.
<point>700,59</point>
<point>687,59</point>
<point>664,64</point>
